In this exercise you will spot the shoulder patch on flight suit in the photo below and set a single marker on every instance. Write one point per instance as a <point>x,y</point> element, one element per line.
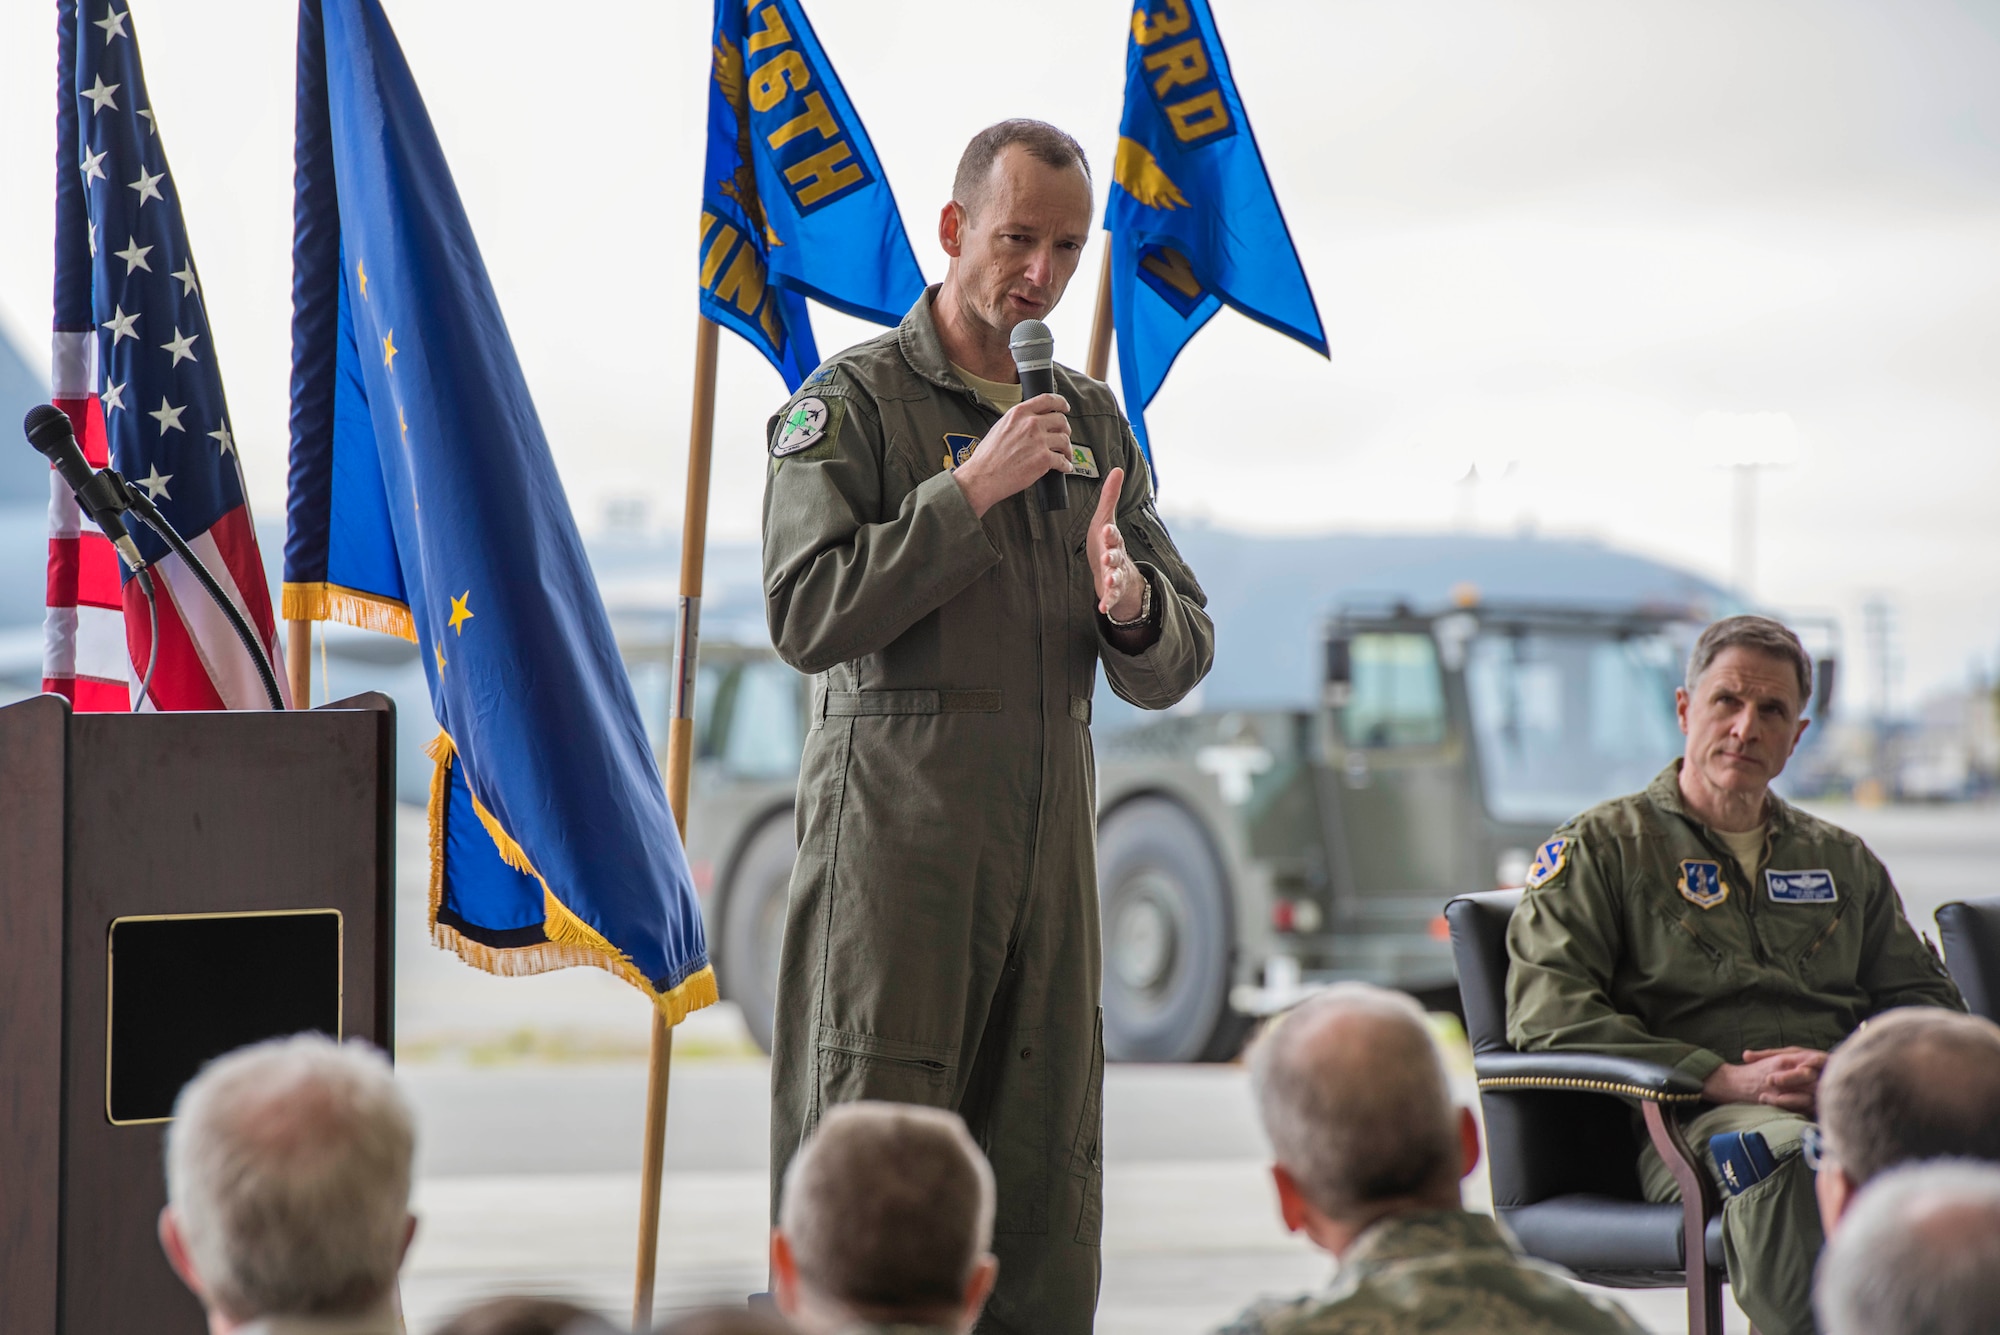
<point>1701,883</point>
<point>807,421</point>
<point>1800,887</point>
<point>1550,859</point>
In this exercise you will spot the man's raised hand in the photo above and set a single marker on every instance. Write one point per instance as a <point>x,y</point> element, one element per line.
<point>1029,440</point>
<point>1120,587</point>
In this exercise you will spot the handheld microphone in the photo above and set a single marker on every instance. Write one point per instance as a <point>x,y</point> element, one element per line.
<point>1034,348</point>
<point>99,493</point>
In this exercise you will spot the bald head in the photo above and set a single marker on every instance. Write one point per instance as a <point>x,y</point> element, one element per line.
<point>1916,1083</point>
<point>1919,1254</point>
<point>1355,1101</point>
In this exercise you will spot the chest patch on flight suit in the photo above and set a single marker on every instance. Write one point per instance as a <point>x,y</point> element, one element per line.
<point>1800,887</point>
<point>958,447</point>
<point>806,423</point>
<point>1550,859</point>
<point>1701,883</point>
<point>1083,459</point>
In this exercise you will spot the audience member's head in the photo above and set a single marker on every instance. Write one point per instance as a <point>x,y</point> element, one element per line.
<point>727,1321</point>
<point>1918,1254</point>
<point>288,1182</point>
<point>525,1315</point>
<point>1916,1083</point>
<point>886,1216</point>
<point>1355,1101</point>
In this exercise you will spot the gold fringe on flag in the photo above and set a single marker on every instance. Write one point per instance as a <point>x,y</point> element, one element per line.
<point>572,941</point>
<point>335,602</point>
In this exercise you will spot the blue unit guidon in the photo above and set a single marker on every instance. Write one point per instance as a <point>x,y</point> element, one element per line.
<point>1195,225</point>
<point>425,501</point>
<point>795,203</point>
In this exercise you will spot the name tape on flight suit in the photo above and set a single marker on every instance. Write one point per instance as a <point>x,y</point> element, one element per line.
<point>958,447</point>
<point>1800,887</point>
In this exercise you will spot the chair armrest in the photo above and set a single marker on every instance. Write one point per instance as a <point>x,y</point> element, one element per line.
<point>1586,1073</point>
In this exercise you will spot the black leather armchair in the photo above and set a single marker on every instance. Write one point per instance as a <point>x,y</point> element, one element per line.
<point>1971,934</point>
<point>1561,1148</point>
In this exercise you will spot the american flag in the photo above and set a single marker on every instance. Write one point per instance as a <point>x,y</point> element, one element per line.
<point>134,366</point>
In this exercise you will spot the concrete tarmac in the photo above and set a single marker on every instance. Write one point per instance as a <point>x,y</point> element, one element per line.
<point>530,1095</point>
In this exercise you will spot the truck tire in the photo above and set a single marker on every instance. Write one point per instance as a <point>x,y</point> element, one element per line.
<point>1168,938</point>
<point>753,925</point>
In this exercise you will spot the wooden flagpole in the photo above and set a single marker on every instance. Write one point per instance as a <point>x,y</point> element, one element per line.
<point>1100,323</point>
<point>298,661</point>
<point>680,755</point>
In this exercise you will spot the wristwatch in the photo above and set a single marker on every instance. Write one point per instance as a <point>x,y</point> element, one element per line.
<point>1145,609</point>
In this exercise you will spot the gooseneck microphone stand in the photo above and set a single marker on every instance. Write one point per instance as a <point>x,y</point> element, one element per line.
<point>140,504</point>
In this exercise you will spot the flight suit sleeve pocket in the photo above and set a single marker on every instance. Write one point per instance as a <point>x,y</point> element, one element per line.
<point>1086,1158</point>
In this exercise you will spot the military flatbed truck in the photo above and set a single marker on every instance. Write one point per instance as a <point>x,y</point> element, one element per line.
<point>1246,856</point>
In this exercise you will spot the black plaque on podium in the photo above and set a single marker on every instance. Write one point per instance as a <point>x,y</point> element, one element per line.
<point>173,886</point>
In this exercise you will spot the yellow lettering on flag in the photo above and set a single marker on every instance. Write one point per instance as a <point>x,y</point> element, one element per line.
<point>814,117</point>
<point>718,251</point>
<point>743,285</point>
<point>773,33</point>
<point>1172,268</point>
<point>1199,117</point>
<point>1146,29</point>
<point>768,81</point>
<point>1184,63</point>
<point>821,174</point>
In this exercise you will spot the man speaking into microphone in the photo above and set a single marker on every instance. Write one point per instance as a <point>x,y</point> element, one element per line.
<point>941,944</point>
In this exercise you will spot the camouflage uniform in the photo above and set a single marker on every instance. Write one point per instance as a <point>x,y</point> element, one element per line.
<point>941,939</point>
<point>1444,1271</point>
<point>1639,938</point>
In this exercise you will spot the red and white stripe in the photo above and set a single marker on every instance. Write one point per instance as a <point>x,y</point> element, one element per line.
<point>96,637</point>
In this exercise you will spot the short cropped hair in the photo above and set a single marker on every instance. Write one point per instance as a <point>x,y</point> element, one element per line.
<point>288,1168</point>
<point>1041,141</point>
<point>1765,636</point>
<point>1915,1083</point>
<point>1354,1098</point>
<point>888,1209</point>
<point>1919,1254</point>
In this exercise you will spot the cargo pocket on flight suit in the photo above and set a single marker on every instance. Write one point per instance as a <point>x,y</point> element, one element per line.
<point>863,1066</point>
<point>1086,1156</point>
<point>1017,1135</point>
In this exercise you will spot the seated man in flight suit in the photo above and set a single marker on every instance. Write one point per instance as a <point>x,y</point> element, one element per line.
<point>1707,925</point>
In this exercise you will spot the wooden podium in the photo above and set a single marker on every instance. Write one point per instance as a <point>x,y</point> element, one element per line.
<point>171,886</point>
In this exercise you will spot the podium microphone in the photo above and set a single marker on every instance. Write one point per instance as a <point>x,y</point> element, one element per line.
<point>1034,349</point>
<point>98,493</point>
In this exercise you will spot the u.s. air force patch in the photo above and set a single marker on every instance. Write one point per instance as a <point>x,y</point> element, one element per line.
<point>1550,859</point>
<point>1701,883</point>
<point>806,424</point>
<point>958,447</point>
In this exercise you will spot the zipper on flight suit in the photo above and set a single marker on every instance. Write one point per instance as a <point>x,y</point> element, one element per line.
<point>1826,935</point>
<point>1728,859</point>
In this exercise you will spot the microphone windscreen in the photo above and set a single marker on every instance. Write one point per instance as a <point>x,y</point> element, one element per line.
<point>47,426</point>
<point>1032,344</point>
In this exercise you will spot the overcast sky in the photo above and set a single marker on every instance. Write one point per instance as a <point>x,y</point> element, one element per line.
<point>1580,247</point>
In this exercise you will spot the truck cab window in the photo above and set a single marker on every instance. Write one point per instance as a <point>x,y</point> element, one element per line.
<point>1397,697</point>
<point>758,715</point>
<point>1565,721</point>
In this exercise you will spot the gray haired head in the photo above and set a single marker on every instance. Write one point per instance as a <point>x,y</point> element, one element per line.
<point>1763,635</point>
<point>288,1170</point>
<point>1919,1254</point>
<point>1355,1101</point>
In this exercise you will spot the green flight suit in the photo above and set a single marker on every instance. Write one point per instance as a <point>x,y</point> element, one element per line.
<point>942,943</point>
<point>1440,1272</point>
<point>1641,936</point>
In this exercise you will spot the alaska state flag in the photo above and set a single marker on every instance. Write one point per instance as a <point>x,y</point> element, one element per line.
<point>424,502</point>
<point>794,201</point>
<point>1194,224</point>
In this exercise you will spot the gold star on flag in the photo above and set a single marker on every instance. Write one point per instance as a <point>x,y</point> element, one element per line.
<point>361,272</point>
<point>438,649</point>
<point>460,613</point>
<point>389,350</point>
